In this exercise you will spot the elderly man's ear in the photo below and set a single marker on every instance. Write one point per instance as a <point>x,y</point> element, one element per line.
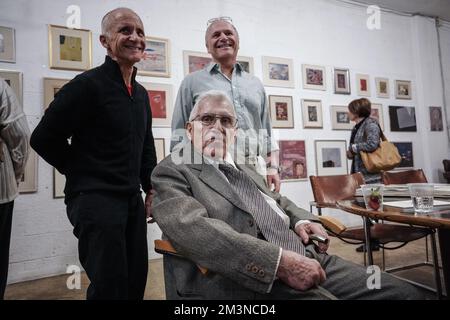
<point>189,129</point>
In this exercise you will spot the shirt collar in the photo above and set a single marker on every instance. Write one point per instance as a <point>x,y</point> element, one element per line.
<point>214,66</point>
<point>113,68</point>
<point>228,159</point>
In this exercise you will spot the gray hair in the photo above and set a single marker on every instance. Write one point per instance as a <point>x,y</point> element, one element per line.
<point>218,20</point>
<point>110,17</point>
<point>211,95</point>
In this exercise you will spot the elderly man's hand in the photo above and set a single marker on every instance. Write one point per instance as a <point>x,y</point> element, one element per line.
<point>148,205</point>
<point>273,178</point>
<point>305,229</point>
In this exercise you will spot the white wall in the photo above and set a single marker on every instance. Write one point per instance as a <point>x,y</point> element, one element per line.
<point>322,32</point>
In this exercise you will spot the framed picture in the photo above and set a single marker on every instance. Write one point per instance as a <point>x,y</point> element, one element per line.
<point>341,81</point>
<point>377,114</point>
<point>292,160</point>
<point>402,89</point>
<point>278,72</point>
<point>29,183</point>
<point>157,63</point>
<point>402,118</point>
<point>14,80</point>
<point>331,157</point>
<point>194,61</point>
<point>51,87</point>
<point>160,96</point>
<point>363,85</point>
<point>313,77</point>
<point>382,85</point>
<point>406,152</point>
<point>281,111</point>
<point>160,147</point>
<point>69,49</point>
<point>246,63</point>
<point>312,113</point>
<point>7,45</point>
<point>59,182</point>
<point>340,119</point>
<point>436,119</point>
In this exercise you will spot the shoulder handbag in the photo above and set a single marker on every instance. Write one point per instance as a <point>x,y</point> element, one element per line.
<point>384,158</point>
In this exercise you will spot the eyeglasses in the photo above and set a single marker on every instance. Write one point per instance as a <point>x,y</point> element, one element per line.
<point>223,18</point>
<point>209,119</point>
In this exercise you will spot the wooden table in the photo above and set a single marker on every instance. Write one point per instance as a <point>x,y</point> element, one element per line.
<point>439,220</point>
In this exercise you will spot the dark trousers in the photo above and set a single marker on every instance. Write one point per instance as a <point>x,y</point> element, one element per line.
<point>112,243</point>
<point>6,210</point>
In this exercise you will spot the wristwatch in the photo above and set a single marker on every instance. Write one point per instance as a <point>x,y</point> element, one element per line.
<point>275,168</point>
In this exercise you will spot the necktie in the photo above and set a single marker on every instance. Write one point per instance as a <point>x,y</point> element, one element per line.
<point>269,222</point>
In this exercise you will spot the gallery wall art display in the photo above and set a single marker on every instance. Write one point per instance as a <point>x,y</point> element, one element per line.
<point>160,148</point>
<point>160,96</point>
<point>157,61</point>
<point>29,182</point>
<point>195,60</point>
<point>14,80</point>
<point>69,49</point>
<point>278,72</point>
<point>292,160</point>
<point>363,85</point>
<point>314,77</point>
<point>331,157</point>
<point>377,113</point>
<point>405,149</point>
<point>382,85</point>
<point>340,119</point>
<point>312,113</point>
<point>341,81</point>
<point>403,89</point>
<point>281,111</point>
<point>436,123</point>
<point>402,118</point>
<point>7,45</point>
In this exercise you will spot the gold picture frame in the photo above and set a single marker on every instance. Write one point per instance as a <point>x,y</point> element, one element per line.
<point>157,63</point>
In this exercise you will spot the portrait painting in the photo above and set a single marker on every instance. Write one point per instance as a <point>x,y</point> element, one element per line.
<point>403,89</point>
<point>363,85</point>
<point>331,157</point>
<point>157,60</point>
<point>292,160</point>
<point>281,111</point>
<point>405,149</point>
<point>160,98</point>
<point>312,113</point>
<point>402,118</point>
<point>278,72</point>
<point>7,45</point>
<point>436,119</point>
<point>340,119</point>
<point>341,81</point>
<point>382,85</point>
<point>313,77</point>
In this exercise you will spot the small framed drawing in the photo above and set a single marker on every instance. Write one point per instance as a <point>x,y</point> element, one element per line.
<point>51,87</point>
<point>246,63</point>
<point>341,81</point>
<point>405,149</point>
<point>281,111</point>
<point>403,89</point>
<point>402,118</point>
<point>340,119</point>
<point>160,148</point>
<point>278,72</point>
<point>382,85</point>
<point>292,160</point>
<point>160,96</point>
<point>436,119</point>
<point>7,45</point>
<point>312,113</point>
<point>376,112</point>
<point>69,49</point>
<point>14,80</point>
<point>29,183</point>
<point>313,77</point>
<point>157,62</point>
<point>363,85</point>
<point>194,61</point>
<point>59,182</point>
<point>331,157</point>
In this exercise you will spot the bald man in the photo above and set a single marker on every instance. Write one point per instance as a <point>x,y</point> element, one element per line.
<point>107,115</point>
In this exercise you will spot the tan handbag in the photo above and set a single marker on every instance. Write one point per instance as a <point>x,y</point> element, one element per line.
<point>384,158</point>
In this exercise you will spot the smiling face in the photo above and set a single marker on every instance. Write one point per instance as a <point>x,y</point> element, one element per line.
<point>222,41</point>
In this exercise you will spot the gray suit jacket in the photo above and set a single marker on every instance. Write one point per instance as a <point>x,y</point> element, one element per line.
<point>207,224</point>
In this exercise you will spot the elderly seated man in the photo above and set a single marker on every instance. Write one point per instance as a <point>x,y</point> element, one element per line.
<point>255,243</point>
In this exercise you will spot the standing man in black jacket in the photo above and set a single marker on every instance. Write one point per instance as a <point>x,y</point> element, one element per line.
<point>107,115</point>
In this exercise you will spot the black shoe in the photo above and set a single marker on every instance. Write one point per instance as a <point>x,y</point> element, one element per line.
<point>374,247</point>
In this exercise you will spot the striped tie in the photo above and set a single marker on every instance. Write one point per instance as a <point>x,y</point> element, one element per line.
<point>272,226</point>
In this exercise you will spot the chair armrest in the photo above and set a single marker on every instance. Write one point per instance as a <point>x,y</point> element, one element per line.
<point>332,224</point>
<point>165,247</point>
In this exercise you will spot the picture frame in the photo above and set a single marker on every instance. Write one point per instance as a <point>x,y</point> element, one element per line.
<point>382,87</point>
<point>281,111</point>
<point>51,87</point>
<point>436,123</point>
<point>59,183</point>
<point>246,63</point>
<point>341,81</point>
<point>331,158</point>
<point>340,119</point>
<point>402,119</point>
<point>278,72</point>
<point>160,96</point>
<point>7,44</point>
<point>314,77</point>
<point>160,148</point>
<point>363,85</point>
<point>312,113</point>
<point>15,80</point>
<point>377,114</point>
<point>29,182</point>
<point>157,63</point>
<point>403,89</point>
<point>69,49</point>
<point>293,160</point>
<point>405,149</point>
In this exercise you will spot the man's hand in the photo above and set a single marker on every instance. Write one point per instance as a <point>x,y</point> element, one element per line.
<point>273,178</point>
<point>350,154</point>
<point>305,229</point>
<point>300,272</point>
<point>148,205</point>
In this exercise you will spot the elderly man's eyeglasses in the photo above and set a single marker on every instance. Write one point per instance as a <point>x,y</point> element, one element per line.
<point>209,119</point>
<point>223,18</point>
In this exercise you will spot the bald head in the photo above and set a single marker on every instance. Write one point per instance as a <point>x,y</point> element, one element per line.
<point>110,17</point>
